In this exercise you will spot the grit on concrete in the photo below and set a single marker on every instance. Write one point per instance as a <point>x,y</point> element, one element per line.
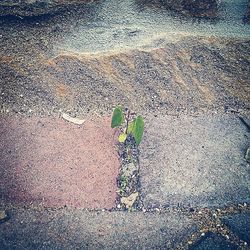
<point>79,229</point>
<point>168,74</point>
<point>239,224</point>
<point>194,161</point>
<point>55,163</point>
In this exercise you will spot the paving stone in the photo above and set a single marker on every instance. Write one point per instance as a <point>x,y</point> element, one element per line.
<point>240,225</point>
<point>213,241</point>
<point>79,229</point>
<point>194,161</point>
<point>53,162</point>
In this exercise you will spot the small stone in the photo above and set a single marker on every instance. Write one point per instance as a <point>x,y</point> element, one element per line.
<point>247,156</point>
<point>215,215</point>
<point>144,210</point>
<point>203,234</point>
<point>199,212</point>
<point>245,243</point>
<point>190,242</point>
<point>3,215</point>
<point>227,237</point>
<point>119,206</point>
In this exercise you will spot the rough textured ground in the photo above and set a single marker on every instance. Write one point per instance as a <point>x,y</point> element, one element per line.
<point>36,7</point>
<point>190,89</point>
<point>239,224</point>
<point>213,241</point>
<point>56,163</point>
<point>166,75</point>
<point>78,229</point>
<point>201,161</point>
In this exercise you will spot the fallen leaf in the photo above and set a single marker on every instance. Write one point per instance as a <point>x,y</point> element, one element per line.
<point>130,200</point>
<point>72,119</point>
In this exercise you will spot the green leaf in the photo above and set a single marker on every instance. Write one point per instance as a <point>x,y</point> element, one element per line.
<point>122,137</point>
<point>117,117</point>
<point>131,127</point>
<point>138,129</point>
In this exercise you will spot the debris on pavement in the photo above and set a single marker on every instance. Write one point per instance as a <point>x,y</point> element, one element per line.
<point>3,216</point>
<point>72,119</point>
<point>248,155</point>
<point>130,200</point>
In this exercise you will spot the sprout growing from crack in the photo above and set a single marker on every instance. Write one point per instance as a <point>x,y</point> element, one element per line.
<point>134,125</point>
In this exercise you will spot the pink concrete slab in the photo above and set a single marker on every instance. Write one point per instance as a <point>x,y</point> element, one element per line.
<point>52,162</point>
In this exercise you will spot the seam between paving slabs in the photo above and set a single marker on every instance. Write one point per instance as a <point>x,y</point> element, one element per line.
<point>207,219</point>
<point>129,199</point>
<point>128,180</point>
<point>210,221</point>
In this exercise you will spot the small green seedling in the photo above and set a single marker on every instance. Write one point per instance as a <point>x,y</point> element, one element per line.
<point>134,125</point>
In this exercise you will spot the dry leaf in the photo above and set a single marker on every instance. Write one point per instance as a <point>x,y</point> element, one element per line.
<point>130,200</point>
<point>71,119</point>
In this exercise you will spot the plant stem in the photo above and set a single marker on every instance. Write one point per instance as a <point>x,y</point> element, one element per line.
<point>127,120</point>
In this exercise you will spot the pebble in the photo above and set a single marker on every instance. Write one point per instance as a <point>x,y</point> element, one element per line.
<point>203,234</point>
<point>3,215</point>
<point>119,206</point>
<point>227,237</point>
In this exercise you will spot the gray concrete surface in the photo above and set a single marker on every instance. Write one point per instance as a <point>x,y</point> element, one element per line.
<point>79,229</point>
<point>194,161</point>
<point>213,242</point>
<point>239,224</point>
